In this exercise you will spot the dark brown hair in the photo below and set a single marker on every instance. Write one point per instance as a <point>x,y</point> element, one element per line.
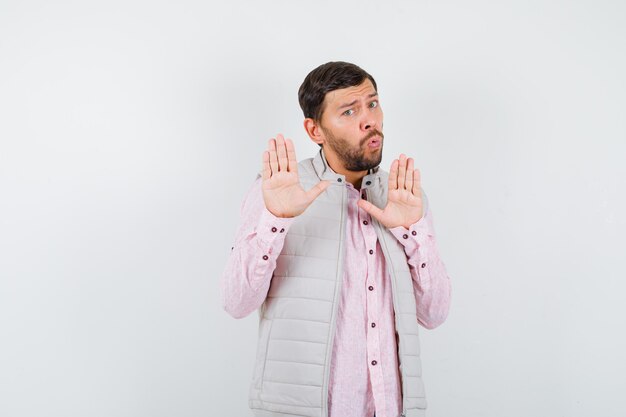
<point>325,78</point>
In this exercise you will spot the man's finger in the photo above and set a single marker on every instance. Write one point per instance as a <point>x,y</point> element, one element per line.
<point>281,152</point>
<point>291,156</point>
<point>374,211</point>
<point>417,179</point>
<point>402,172</point>
<point>266,171</point>
<point>318,189</point>
<point>271,148</point>
<point>408,183</point>
<point>393,175</point>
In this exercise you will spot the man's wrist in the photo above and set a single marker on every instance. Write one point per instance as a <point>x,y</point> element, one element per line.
<point>271,226</point>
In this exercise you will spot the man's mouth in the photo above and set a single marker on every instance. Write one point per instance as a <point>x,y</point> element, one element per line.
<point>374,142</point>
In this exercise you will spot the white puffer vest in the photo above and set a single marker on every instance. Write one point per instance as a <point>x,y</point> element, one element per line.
<point>297,319</point>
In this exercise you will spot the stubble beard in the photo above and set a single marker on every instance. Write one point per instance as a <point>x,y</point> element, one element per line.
<point>354,159</point>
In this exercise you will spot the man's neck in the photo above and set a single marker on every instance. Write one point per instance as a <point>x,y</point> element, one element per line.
<point>353,177</point>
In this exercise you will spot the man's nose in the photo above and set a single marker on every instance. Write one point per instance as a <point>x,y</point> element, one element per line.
<point>368,122</point>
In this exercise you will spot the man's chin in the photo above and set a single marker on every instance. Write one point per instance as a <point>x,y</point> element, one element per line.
<point>367,165</point>
<point>379,159</point>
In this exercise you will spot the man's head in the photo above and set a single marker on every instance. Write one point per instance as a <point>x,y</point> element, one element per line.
<point>342,114</point>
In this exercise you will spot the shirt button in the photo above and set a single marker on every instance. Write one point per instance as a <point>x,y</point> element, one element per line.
<point>368,182</point>
<point>374,363</point>
<point>405,236</point>
<point>282,230</point>
<point>424,265</point>
<point>365,222</point>
<point>373,324</point>
<point>338,179</point>
<point>274,229</point>
<point>413,232</point>
<point>371,252</point>
<point>265,257</point>
<point>370,288</point>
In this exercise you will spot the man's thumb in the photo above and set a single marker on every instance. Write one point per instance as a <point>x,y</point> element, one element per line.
<point>318,189</point>
<point>371,209</point>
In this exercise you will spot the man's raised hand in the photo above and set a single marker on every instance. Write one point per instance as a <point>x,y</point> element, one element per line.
<point>282,192</point>
<point>404,198</point>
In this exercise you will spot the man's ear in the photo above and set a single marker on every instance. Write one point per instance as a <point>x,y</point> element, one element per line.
<point>314,131</point>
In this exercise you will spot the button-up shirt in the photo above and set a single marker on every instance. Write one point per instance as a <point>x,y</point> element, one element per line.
<point>364,375</point>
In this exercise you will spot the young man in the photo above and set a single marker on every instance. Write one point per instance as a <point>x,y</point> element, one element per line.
<point>340,259</point>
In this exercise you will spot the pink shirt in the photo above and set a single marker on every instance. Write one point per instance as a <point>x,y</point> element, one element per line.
<point>364,376</point>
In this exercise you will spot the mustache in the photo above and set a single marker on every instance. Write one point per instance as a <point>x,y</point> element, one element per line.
<point>371,135</point>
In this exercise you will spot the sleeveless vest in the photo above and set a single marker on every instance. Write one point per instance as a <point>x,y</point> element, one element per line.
<point>297,318</point>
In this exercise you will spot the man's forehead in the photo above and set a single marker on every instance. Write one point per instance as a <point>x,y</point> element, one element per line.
<point>365,89</point>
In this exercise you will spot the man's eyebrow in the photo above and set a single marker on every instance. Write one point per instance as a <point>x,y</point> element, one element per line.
<point>352,103</point>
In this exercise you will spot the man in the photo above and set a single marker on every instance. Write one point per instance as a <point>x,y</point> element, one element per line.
<point>339,257</point>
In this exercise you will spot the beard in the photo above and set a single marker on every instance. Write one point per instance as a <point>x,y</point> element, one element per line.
<point>353,158</point>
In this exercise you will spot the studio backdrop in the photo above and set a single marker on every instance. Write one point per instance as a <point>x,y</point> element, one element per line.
<point>130,132</point>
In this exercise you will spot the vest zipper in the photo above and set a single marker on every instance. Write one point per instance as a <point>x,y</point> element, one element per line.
<point>333,318</point>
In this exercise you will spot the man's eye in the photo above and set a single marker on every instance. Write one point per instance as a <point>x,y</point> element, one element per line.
<point>374,104</point>
<point>349,112</point>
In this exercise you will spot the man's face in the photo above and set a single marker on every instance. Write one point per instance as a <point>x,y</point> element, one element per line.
<point>352,124</point>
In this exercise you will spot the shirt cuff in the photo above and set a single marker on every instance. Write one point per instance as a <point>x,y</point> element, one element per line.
<point>413,237</point>
<point>272,229</point>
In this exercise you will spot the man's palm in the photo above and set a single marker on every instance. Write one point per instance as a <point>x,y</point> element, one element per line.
<point>282,192</point>
<point>404,197</point>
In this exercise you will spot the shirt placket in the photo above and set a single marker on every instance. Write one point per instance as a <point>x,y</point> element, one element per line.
<point>372,307</point>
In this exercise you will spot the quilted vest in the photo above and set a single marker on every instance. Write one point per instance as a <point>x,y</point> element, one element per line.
<point>298,317</point>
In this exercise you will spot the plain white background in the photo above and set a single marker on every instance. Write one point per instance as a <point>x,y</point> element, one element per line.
<point>131,130</point>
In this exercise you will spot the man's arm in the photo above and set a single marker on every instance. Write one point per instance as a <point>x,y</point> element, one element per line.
<point>406,217</point>
<point>258,242</point>
<point>267,212</point>
<point>431,284</point>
